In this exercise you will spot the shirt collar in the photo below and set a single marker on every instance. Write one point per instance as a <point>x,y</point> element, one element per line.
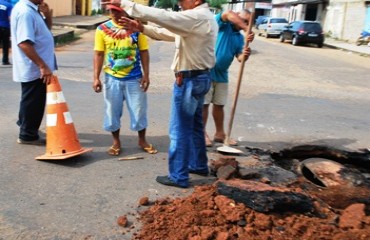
<point>31,4</point>
<point>115,24</point>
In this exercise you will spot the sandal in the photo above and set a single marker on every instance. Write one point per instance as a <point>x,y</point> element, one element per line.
<point>208,142</point>
<point>150,149</point>
<point>232,142</point>
<point>113,151</point>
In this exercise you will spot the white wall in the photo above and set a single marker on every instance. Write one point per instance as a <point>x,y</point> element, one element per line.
<point>345,20</point>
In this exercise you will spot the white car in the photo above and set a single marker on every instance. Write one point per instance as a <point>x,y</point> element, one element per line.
<point>272,26</point>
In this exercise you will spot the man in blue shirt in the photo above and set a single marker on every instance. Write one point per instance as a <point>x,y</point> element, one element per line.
<point>229,44</point>
<point>33,64</point>
<point>5,10</point>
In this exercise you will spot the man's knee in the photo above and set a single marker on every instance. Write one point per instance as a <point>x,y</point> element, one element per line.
<point>216,106</point>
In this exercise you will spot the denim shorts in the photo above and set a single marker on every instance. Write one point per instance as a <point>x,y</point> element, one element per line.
<point>117,92</point>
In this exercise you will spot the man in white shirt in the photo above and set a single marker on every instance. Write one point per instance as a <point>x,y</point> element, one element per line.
<point>194,31</point>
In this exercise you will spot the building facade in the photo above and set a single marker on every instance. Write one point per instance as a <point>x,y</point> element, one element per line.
<point>292,10</point>
<point>346,19</point>
<point>61,8</point>
<point>341,19</point>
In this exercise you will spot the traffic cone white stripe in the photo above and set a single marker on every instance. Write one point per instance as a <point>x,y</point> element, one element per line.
<point>67,118</point>
<point>55,98</point>
<point>51,119</point>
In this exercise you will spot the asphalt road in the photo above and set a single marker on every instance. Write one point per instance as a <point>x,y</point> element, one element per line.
<point>289,96</point>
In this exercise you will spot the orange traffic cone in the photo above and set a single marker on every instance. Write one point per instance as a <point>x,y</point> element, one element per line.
<point>61,137</point>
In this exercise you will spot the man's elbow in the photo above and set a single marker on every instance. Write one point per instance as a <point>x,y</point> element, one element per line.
<point>99,53</point>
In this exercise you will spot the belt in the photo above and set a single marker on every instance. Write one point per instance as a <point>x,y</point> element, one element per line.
<point>191,73</point>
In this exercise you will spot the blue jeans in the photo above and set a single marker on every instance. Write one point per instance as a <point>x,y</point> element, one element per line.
<point>187,144</point>
<point>115,93</point>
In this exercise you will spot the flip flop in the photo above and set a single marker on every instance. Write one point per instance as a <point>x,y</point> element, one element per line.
<point>150,149</point>
<point>113,151</point>
<point>208,142</point>
<point>232,142</point>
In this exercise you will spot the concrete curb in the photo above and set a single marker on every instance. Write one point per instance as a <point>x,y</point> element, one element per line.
<point>62,35</point>
<point>65,28</point>
<point>335,44</point>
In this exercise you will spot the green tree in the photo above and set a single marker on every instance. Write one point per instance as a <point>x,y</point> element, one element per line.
<point>165,4</point>
<point>217,4</point>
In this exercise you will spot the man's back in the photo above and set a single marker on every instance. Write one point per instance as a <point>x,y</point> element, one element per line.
<point>198,44</point>
<point>229,43</point>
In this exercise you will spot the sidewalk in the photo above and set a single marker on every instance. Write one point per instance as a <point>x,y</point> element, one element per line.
<point>77,21</point>
<point>351,47</point>
<point>67,25</point>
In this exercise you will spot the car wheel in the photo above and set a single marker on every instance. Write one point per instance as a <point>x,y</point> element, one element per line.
<point>282,38</point>
<point>319,45</point>
<point>267,35</point>
<point>295,41</point>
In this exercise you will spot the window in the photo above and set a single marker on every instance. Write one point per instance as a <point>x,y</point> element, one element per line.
<point>278,20</point>
<point>312,27</point>
<point>295,26</point>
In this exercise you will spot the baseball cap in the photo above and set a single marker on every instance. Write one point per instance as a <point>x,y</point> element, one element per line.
<point>114,7</point>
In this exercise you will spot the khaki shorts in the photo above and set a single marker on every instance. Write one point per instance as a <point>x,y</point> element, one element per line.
<point>217,94</point>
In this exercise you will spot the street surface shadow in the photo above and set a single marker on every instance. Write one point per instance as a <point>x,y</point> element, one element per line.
<point>100,143</point>
<point>339,143</point>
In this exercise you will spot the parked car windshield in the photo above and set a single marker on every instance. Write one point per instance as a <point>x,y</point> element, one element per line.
<point>278,20</point>
<point>312,27</point>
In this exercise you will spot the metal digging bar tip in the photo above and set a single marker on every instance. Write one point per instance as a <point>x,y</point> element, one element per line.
<point>226,148</point>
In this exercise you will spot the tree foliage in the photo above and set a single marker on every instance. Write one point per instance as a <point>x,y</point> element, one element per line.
<point>165,4</point>
<point>217,4</point>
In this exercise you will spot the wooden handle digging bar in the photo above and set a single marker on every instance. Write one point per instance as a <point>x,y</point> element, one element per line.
<point>130,158</point>
<point>240,75</point>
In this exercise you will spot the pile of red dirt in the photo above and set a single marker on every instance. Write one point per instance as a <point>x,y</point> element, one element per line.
<point>206,215</point>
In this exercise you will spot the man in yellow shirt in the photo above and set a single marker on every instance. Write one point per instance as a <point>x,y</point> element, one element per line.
<point>125,60</point>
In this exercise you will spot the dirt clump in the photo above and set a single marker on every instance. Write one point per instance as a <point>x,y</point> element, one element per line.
<point>122,221</point>
<point>206,215</point>
<point>144,201</point>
